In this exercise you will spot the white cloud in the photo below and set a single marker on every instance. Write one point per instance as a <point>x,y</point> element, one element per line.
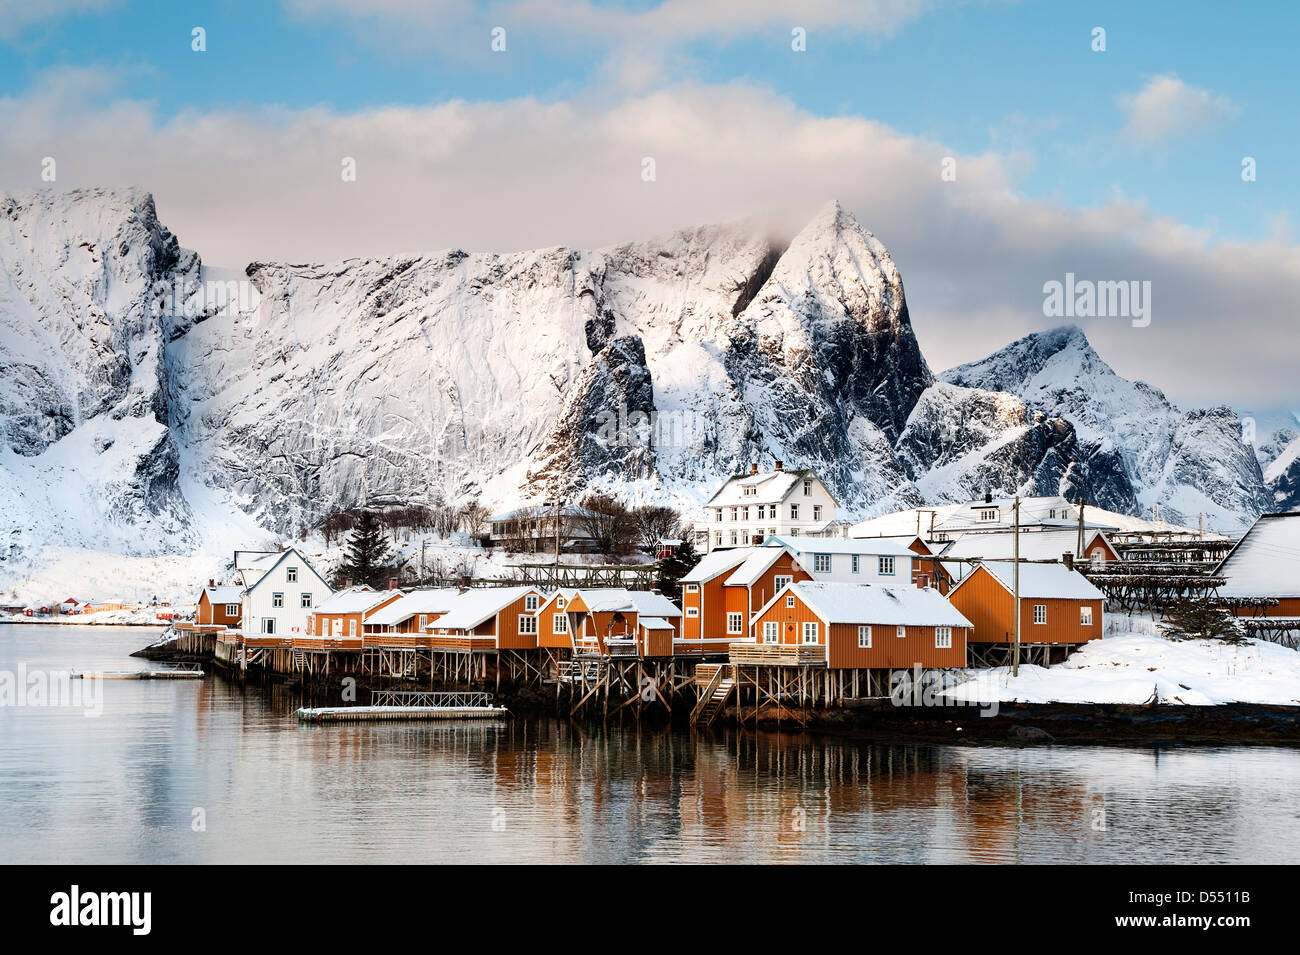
<point>1167,108</point>
<point>17,15</point>
<point>974,254</point>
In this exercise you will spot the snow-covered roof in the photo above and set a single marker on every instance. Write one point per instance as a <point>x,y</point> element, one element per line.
<point>565,592</point>
<point>771,488</point>
<point>655,623</point>
<point>870,547</point>
<point>353,600</point>
<point>1266,561</point>
<point>1034,544</point>
<point>873,604</point>
<point>224,595</point>
<point>755,565</point>
<point>1045,581</point>
<point>717,562</point>
<point>415,602</point>
<point>473,607</point>
<point>640,602</point>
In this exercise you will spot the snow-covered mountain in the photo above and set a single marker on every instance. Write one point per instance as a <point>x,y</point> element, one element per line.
<point>1137,450</point>
<point>141,417</point>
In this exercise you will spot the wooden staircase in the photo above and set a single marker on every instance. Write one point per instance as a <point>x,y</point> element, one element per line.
<point>716,687</point>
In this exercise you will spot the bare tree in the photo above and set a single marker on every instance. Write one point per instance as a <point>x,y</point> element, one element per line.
<point>473,516</point>
<point>607,521</point>
<point>653,523</point>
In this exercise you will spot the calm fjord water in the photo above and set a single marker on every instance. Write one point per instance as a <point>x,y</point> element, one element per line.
<point>125,786</point>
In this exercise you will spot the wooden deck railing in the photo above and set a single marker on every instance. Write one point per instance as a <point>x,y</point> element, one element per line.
<point>777,654</point>
<point>326,643</point>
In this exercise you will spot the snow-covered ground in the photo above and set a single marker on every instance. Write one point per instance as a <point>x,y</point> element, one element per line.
<point>143,617</point>
<point>1135,664</point>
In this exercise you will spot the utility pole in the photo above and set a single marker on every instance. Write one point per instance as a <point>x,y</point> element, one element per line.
<point>1015,586</point>
<point>1078,552</point>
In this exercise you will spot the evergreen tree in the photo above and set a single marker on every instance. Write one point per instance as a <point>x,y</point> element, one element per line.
<point>1198,619</point>
<point>366,557</point>
<point>673,568</point>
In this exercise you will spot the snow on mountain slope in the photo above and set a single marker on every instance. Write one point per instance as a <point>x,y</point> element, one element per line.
<point>1138,450</point>
<point>140,419</point>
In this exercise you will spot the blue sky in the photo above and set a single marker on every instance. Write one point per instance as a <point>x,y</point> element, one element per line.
<point>1008,77</point>
<point>1123,164</point>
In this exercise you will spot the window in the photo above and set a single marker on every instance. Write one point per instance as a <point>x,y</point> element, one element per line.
<point>277,600</point>
<point>424,621</point>
<point>352,627</point>
<point>560,623</point>
<point>771,632</point>
<point>719,538</point>
<point>750,490</point>
<point>886,567</point>
<point>560,603</point>
<point>291,574</point>
<point>268,625</point>
<point>789,600</point>
<point>304,601</point>
<point>817,512</point>
<point>853,562</point>
<point>1085,616</point>
<point>530,602</point>
<point>942,638</point>
<point>900,632</point>
<point>527,623</point>
<point>692,611</point>
<point>989,515</point>
<point>794,512</point>
<point>232,610</point>
<point>1040,613</point>
<point>782,580</point>
<point>822,563</point>
<point>692,588</point>
<point>735,623</point>
<point>717,515</point>
<point>864,638</point>
<point>807,488</point>
<point>338,626</point>
<point>810,632</point>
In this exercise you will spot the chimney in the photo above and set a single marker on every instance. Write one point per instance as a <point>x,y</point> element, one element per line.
<point>988,497</point>
<point>780,466</point>
<point>1068,560</point>
<point>753,469</point>
<point>392,583</point>
<point>211,583</point>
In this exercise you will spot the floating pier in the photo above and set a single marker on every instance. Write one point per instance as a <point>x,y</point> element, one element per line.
<point>139,675</point>
<point>409,705</point>
<point>365,714</point>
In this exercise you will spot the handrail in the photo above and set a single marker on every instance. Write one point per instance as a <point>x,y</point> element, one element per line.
<point>707,696</point>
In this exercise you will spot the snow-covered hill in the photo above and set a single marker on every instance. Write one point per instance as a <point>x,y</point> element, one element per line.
<point>142,419</point>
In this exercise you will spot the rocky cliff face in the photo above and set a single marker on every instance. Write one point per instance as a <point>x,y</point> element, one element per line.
<point>1137,449</point>
<point>88,453</point>
<point>652,369</point>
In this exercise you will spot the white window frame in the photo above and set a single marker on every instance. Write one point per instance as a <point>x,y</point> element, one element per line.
<point>789,601</point>
<point>864,637</point>
<point>943,638</point>
<point>794,512</point>
<point>692,588</point>
<point>352,627</point>
<point>560,623</point>
<point>232,610</point>
<point>886,567</point>
<point>735,622</point>
<point>854,564</point>
<point>527,624</point>
<point>530,602</point>
<point>268,626</point>
<point>807,487</point>
<point>560,603</point>
<point>810,628</point>
<point>692,611</point>
<point>1040,614</point>
<point>304,601</point>
<point>277,601</point>
<point>817,512</point>
<point>424,621</point>
<point>1085,615</point>
<point>822,563</point>
<point>771,631</point>
<point>781,581</point>
<point>291,575</point>
<point>900,632</point>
